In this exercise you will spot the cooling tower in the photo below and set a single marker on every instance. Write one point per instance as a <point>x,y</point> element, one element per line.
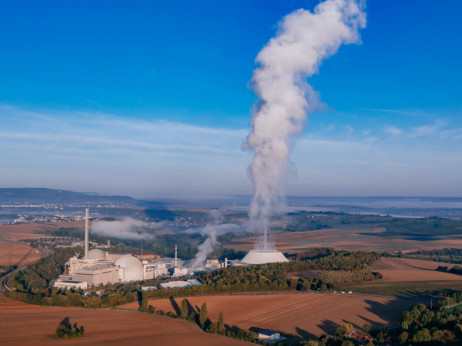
<point>264,256</point>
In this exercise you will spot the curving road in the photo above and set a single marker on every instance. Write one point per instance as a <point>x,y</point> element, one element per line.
<point>4,279</point>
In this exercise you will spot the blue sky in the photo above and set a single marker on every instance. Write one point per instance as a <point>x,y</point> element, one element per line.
<point>152,99</point>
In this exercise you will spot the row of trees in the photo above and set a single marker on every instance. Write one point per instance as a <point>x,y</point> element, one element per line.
<point>189,313</point>
<point>448,255</point>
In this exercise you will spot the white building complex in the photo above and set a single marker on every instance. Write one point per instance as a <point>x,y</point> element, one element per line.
<point>101,268</point>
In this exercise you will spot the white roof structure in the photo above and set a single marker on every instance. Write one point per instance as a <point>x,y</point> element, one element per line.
<point>96,254</point>
<point>264,256</point>
<point>180,284</point>
<point>130,268</point>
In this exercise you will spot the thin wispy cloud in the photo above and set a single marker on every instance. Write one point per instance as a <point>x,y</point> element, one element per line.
<point>109,154</point>
<point>392,130</point>
<point>395,111</point>
<point>427,130</point>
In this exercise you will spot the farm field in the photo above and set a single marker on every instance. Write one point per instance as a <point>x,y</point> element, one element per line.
<point>406,269</point>
<point>298,314</point>
<point>356,240</point>
<point>14,253</point>
<point>24,324</point>
<point>405,277</point>
<point>27,231</point>
<point>406,289</point>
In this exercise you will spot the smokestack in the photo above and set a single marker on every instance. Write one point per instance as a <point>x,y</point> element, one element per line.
<point>226,262</point>
<point>176,255</point>
<point>108,243</point>
<point>86,233</point>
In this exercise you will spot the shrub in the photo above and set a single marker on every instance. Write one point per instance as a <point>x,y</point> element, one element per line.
<point>66,331</point>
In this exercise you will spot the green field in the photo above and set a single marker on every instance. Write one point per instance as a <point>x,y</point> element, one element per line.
<point>407,289</point>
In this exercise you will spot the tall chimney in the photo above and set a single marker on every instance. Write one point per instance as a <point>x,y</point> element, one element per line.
<point>86,233</point>
<point>226,262</point>
<point>176,255</point>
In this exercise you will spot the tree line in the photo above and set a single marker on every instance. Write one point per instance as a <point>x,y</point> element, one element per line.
<point>423,325</point>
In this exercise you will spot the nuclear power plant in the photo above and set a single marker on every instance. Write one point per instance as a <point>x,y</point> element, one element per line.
<point>97,267</point>
<point>101,268</point>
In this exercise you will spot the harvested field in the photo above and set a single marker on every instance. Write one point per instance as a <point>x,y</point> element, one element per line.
<point>420,289</point>
<point>406,269</point>
<point>27,231</point>
<point>12,253</point>
<point>298,314</point>
<point>357,240</point>
<point>23,324</point>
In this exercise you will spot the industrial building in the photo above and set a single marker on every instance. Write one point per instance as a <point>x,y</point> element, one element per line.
<point>97,267</point>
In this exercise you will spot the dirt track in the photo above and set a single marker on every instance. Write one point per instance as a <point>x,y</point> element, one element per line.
<point>24,324</point>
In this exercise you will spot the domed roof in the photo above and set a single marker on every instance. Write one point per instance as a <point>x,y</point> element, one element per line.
<point>264,256</point>
<point>96,254</point>
<point>131,268</point>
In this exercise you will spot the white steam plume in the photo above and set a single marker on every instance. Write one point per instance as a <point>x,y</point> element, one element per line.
<point>303,41</point>
<point>127,228</point>
<point>210,243</point>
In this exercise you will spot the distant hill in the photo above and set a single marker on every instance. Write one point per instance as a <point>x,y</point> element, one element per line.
<point>42,196</point>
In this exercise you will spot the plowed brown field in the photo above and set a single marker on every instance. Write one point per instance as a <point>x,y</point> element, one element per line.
<point>14,253</point>
<point>298,314</point>
<point>406,269</point>
<point>23,324</point>
<point>27,231</point>
<point>356,240</point>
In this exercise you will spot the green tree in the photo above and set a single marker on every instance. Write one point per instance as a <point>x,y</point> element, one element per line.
<point>221,324</point>
<point>65,329</point>
<point>184,308</point>
<point>203,315</point>
<point>144,301</point>
<point>402,338</point>
<point>422,336</point>
<point>367,327</point>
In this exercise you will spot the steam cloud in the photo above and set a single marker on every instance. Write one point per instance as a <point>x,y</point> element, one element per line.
<point>209,244</point>
<point>127,228</point>
<point>294,54</point>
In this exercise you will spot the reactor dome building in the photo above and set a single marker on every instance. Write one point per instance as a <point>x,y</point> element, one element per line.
<point>130,268</point>
<point>97,255</point>
<point>264,256</point>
